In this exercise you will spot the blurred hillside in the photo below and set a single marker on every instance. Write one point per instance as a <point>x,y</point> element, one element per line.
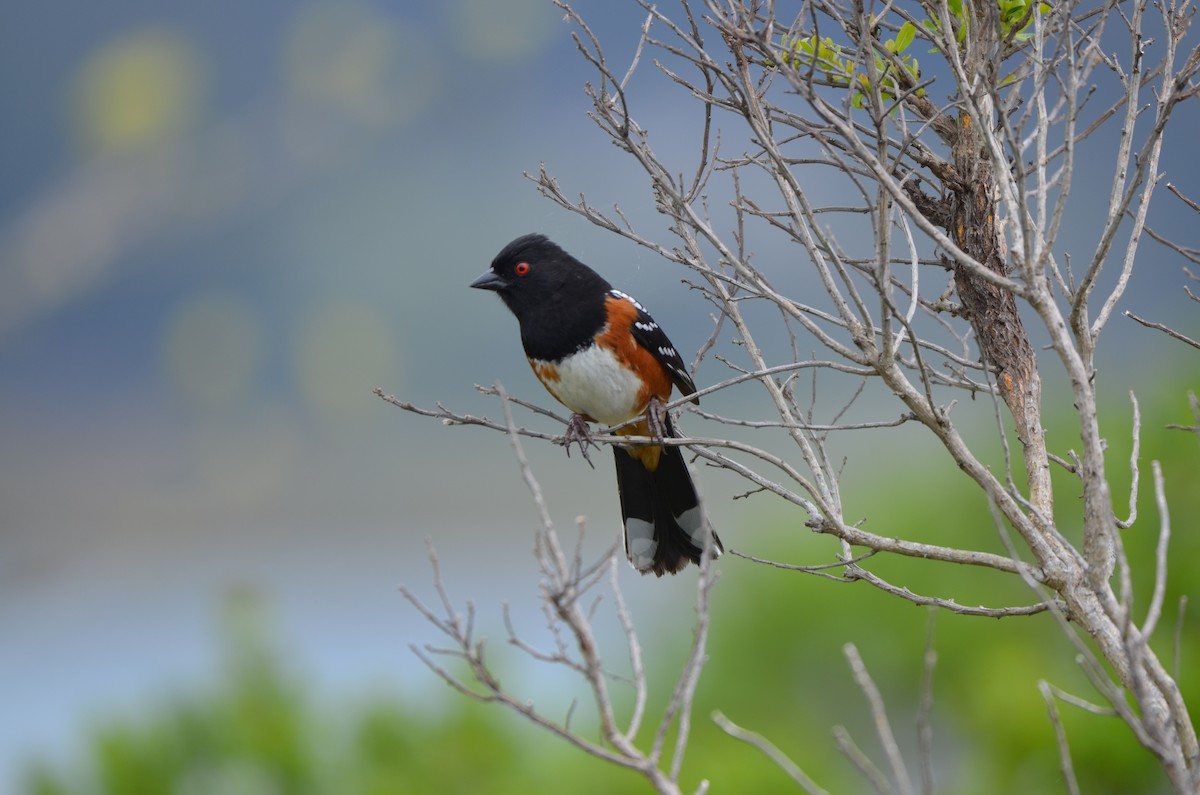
<point>264,724</point>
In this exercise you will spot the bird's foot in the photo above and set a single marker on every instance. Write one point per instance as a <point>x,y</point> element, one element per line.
<point>579,433</point>
<point>656,420</point>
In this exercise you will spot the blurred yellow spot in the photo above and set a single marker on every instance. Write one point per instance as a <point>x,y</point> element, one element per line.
<point>353,58</point>
<point>139,89</point>
<point>212,348</point>
<point>489,30</point>
<point>344,350</point>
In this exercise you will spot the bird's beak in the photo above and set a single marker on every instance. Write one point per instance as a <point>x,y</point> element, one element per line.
<point>489,281</point>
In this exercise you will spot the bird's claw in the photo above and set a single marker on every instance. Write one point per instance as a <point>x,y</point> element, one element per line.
<point>579,433</point>
<point>656,420</point>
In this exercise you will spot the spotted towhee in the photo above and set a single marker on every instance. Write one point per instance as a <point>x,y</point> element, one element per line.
<point>603,357</point>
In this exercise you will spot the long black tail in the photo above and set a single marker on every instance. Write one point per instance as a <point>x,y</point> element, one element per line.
<point>665,527</point>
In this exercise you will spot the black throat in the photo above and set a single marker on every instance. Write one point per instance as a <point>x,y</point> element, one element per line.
<point>566,320</point>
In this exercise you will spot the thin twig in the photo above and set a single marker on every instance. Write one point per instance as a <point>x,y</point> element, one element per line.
<point>883,728</point>
<point>1170,332</point>
<point>773,753</point>
<point>925,708</point>
<point>1060,735</point>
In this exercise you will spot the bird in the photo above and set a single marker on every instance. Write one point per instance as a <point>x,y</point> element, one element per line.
<point>600,353</point>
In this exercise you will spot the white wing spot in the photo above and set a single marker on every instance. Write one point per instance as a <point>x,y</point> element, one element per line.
<point>628,298</point>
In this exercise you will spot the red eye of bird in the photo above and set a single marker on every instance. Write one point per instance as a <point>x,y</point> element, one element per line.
<point>522,268</point>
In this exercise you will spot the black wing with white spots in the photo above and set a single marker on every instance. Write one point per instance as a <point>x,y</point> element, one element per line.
<point>651,336</point>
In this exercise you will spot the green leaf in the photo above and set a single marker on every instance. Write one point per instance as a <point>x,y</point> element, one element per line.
<point>908,32</point>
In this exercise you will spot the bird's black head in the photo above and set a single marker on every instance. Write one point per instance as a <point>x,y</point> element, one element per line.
<point>532,274</point>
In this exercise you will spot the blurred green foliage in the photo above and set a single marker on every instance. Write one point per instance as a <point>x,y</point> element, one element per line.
<point>776,666</point>
<point>259,730</point>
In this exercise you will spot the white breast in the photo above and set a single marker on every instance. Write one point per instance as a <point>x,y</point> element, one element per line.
<point>593,382</point>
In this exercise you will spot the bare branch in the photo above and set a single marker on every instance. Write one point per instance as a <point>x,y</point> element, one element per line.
<point>856,573</point>
<point>1160,555</point>
<point>844,188</point>
<point>1170,332</point>
<point>925,710</point>
<point>883,728</point>
<point>1134,469</point>
<point>773,753</point>
<point>1060,734</point>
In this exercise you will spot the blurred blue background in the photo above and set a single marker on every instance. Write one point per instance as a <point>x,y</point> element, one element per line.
<point>221,226</point>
